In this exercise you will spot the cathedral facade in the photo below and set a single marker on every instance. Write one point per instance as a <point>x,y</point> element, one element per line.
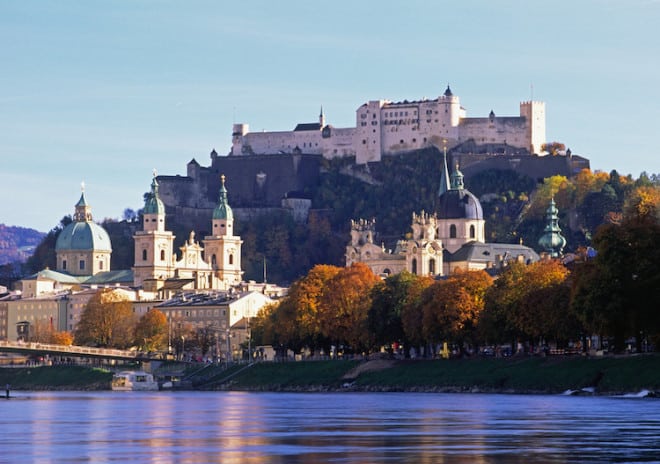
<point>214,264</point>
<point>451,238</point>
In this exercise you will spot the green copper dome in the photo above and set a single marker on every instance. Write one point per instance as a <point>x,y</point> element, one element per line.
<point>223,210</point>
<point>552,241</point>
<point>153,203</point>
<point>83,236</point>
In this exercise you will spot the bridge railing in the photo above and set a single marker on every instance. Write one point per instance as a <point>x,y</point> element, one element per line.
<point>71,349</point>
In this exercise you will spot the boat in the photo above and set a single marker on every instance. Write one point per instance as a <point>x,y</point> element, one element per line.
<point>134,381</point>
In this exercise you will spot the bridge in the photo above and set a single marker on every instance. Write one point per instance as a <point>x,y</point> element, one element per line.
<point>33,348</point>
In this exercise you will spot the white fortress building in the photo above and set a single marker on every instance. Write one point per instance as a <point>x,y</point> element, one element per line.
<point>383,128</point>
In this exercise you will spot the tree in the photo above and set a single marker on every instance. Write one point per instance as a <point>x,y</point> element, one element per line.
<point>345,304</point>
<point>451,307</point>
<point>107,321</point>
<point>388,300</point>
<point>305,297</point>
<point>151,331</point>
<point>553,148</point>
<point>616,295</point>
<point>412,315</point>
<point>61,338</point>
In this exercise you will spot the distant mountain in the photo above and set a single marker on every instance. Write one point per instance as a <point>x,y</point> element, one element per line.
<point>18,243</point>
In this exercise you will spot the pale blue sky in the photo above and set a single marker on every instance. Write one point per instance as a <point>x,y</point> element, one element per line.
<point>106,91</point>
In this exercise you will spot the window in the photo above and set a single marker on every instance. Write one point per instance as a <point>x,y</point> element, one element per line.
<point>144,255</point>
<point>432,266</point>
<point>472,231</point>
<point>82,264</point>
<point>162,255</point>
<point>101,265</point>
<point>231,259</point>
<point>452,231</point>
<point>64,264</point>
<point>213,260</point>
<point>414,266</point>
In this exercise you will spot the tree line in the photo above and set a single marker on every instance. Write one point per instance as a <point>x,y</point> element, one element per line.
<point>610,291</point>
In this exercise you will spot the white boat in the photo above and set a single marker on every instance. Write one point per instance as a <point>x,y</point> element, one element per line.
<point>134,381</point>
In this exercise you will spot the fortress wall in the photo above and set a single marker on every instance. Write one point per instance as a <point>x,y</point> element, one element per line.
<point>276,142</point>
<point>263,180</point>
<point>534,166</point>
<point>509,130</point>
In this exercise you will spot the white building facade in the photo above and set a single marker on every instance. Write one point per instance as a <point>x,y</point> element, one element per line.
<point>384,128</point>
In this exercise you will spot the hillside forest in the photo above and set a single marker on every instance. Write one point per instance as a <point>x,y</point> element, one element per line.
<point>390,191</point>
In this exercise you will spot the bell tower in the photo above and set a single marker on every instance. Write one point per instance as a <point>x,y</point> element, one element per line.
<point>154,246</point>
<point>222,249</point>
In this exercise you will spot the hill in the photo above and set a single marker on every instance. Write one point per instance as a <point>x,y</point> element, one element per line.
<point>18,243</point>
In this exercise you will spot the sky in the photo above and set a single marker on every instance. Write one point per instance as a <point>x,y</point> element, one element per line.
<point>104,92</point>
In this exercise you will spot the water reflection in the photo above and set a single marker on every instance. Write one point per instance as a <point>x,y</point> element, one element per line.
<point>315,428</point>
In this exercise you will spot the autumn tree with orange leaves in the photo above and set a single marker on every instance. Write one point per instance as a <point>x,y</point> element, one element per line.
<point>530,303</point>
<point>151,331</point>
<point>451,307</point>
<point>294,322</point>
<point>344,307</point>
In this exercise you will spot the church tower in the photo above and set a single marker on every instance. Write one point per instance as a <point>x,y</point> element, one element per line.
<point>154,246</point>
<point>552,241</point>
<point>222,249</point>
<point>460,217</point>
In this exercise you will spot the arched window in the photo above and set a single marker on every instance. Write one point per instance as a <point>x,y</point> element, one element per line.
<point>82,265</point>
<point>162,255</point>
<point>432,266</point>
<point>231,259</point>
<point>213,260</point>
<point>472,231</point>
<point>452,231</point>
<point>101,265</point>
<point>144,255</point>
<point>64,264</point>
<point>414,266</point>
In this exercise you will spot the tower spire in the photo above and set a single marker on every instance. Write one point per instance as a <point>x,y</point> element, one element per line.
<point>444,172</point>
<point>83,211</point>
<point>552,241</point>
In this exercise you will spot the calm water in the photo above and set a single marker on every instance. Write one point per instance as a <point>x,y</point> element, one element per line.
<point>319,428</point>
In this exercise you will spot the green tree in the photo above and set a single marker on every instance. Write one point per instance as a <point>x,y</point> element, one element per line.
<point>389,297</point>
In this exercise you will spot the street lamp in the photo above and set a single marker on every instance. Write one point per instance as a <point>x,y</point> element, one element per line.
<point>228,348</point>
<point>183,346</point>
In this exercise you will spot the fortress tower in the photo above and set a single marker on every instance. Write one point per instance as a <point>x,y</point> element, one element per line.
<point>534,114</point>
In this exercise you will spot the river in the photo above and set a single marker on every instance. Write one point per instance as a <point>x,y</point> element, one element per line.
<point>235,427</point>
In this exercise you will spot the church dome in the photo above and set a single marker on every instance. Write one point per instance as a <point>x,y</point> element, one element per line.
<point>223,210</point>
<point>83,236</point>
<point>153,204</point>
<point>458,202</point>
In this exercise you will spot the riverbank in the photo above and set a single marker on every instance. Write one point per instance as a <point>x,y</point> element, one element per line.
<point>603,375</point>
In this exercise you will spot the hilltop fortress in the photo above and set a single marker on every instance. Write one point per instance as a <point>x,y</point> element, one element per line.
<point>384,128</point>
<point>270,169</point>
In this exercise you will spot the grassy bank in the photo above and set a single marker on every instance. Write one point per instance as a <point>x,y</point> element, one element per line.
<point>608,375</point>
<point>55,378</point>
<point>525,375</point>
